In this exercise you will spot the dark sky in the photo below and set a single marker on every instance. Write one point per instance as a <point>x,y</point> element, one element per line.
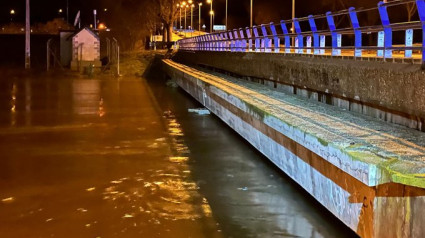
<point>264,10</point>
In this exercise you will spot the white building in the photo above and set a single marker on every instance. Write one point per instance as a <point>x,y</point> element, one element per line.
<point>83,47</point>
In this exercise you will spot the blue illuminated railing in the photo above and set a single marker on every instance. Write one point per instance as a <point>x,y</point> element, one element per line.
<point>277,39</point>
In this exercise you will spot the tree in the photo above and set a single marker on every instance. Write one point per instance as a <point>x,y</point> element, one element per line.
<point>411,9</point>
<point>167,12</point>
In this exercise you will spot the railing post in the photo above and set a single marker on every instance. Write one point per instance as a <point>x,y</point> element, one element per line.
<point>216,42</point>
<point>243,40</point>
<point>299,41</point>
<point>237,41</point>
<point>266,41</point>
<point>248,33</point>
<point>257,39</point>
<point>322,44</point>
<point>421,11</point>
<point>388,33</point>
<point>357,33</point>
<point>287,38</point>
<point>232,42</point>
<point>408,43</point>
<point>315,35</point>
<point>276,39</point>
<point>210,43</point>
<point>336,38</point>
<point>226,41</point>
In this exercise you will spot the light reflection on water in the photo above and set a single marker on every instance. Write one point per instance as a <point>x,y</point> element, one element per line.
<point>99,158</point>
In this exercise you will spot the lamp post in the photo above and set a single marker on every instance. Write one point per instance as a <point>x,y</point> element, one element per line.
<point>293,16</point>
<point>67,11</point>
<point>200,5</point>
<point>251,14</point>
<point>12,14</point>
<point>226,15</point>
<point>180,15</point>
<point>211,15</point>
<point>191,16</point>
<point>27,36</point>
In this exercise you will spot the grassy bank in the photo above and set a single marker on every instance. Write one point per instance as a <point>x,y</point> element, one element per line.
<point>139,63</point>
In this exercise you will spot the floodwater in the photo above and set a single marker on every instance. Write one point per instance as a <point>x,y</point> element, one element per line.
<point>125,158</point>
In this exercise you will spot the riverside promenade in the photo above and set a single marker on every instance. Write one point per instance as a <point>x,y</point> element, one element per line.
<point>367,172</point>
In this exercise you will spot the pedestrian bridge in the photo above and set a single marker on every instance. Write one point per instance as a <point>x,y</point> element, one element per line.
<point>320,35</point>
<point>346,122</point>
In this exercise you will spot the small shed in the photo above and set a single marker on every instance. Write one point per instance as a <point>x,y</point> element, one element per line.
<point>85,49</point>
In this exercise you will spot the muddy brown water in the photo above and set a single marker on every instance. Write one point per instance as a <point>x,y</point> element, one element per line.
<point>125,158</point>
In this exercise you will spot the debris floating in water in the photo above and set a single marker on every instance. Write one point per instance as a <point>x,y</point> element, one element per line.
<point>200,111</point>
<point>128,216</point>
<point>90,189</point>
<point>8,200</point>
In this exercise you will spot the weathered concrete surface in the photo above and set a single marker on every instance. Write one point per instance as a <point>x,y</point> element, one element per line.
<point>389,91</point>
<point>362,170</point>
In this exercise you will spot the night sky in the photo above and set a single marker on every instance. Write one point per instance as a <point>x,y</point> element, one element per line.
<point>264,10</point>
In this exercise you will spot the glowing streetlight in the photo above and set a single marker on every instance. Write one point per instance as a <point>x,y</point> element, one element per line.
<point>191,16</point>
<point>185,19</point>
<point>180,9</point>
<point>60,11</point>
<point>211,14</point>
<point>200,5</point>
<point>12,13</point>
<point>251,21</point>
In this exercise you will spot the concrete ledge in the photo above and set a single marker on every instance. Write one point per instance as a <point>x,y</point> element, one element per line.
<point>388,91</point>
<point>367,173</point>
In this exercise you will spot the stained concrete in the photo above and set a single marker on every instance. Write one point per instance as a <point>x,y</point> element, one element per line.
<point>385,90</point>
<point>357,167</point>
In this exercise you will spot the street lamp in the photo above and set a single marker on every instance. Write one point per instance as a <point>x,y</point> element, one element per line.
<point>212,17</point>
<point>226,15</point>
<point>185,20</point>
<point>200,5</point>
<point>12,13</point>
<point>191,15</point>
<point>293,15</point>
<point>211,14</point>
<point>251,13</point>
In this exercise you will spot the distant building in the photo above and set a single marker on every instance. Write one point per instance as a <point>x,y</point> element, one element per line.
<point>80,49</point>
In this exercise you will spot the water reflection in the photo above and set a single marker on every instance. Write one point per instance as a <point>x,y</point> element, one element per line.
<point>100,158</point>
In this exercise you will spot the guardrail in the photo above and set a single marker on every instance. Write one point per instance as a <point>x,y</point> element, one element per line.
<point>276,38</point>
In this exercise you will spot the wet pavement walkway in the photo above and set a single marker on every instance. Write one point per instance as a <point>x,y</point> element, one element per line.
<point>125,158</point>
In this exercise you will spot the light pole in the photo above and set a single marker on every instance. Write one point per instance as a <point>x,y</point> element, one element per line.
<point>27,37</point>
<point>180,9</point>
<point>191,16</point>
<point>211,15</point>
<point>293,24</point>
<point>200,5</point>
<point>12,13</point>
<point>226,15</point>
<point>251,13</point>
<point>67,11</point>
<point>293,16</point>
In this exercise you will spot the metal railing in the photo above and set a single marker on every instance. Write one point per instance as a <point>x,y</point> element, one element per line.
<point>276,38</point>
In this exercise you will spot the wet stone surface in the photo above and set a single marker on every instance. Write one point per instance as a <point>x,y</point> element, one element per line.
<point>125,158</point>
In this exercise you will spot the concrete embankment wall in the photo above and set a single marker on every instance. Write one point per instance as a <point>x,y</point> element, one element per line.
<point>349,188</point>
<point>389,91</point>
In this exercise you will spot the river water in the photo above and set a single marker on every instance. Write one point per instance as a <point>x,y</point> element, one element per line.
<point>125,158</point>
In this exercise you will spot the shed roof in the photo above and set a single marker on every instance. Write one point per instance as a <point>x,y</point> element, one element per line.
<point>82,29</point>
